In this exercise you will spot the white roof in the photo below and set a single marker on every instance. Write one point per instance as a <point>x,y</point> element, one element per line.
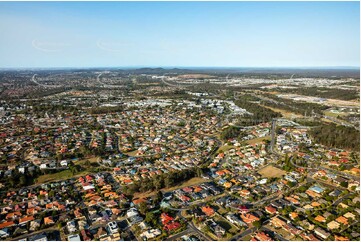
<point>88,187</point>
<point>74,237</point>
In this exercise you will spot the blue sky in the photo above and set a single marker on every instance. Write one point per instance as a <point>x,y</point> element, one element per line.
<point>224,34</point>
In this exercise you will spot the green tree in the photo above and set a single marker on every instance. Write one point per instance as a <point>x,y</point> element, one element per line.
<point>257,224</point>
<point>143,208</point>
<point>344,184</point>
<point>151,218</point>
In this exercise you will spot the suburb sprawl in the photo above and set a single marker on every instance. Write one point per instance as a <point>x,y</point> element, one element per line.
<point>176,154</point>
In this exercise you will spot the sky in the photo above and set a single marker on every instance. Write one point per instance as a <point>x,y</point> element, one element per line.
<point>179,34</point>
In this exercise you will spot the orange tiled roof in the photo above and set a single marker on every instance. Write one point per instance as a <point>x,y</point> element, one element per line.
<point>262,236</point>
<point>315,204</point>
<point>31,211</point>
<point>244,192</point>
<point>355,170</point>
<point>312,193</point>
<point>197,189</point>
<point>341,238</point>
<point>270,209</point>
<point>208,210</point>
<point>249,218</point>
<point>49,206</point>
<point>48,220</point>
<point>116,211</point>
<point>320,219</point>
<point>6,224</point>
<point>292,200</point>
<point>11,215</point>
<point>293,215</point>
<point>278,222</point>
<point>26,219</point>
<point>342,220</point>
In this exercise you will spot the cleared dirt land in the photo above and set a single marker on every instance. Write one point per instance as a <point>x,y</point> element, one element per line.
<point>326,101</point>
<point>271,171</point>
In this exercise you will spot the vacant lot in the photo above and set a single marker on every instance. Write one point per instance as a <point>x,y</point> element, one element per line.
<point>62,175</point>
<point>271,171</point>
<point>258,140</point>
<point>84,162</point>
<point>284,113</point>
<point>335,115</point>
<point>225,148</point>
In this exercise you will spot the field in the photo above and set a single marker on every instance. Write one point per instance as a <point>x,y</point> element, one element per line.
<point>284,113</point>
<point>131,153</point>
<point>225,148</point>
<point>66,174</point>
<point>335,115</point>
<point>271,171</point>
<point>84,161</point>
<point>258,140</point>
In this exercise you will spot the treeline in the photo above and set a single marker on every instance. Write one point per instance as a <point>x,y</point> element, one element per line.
<point>18,179</point>
<point>162,181</point>
<point>231,132</point>
<point>102,110</point>
<point>54,108</point>
<point>337,136</point>
<point>260,114</point>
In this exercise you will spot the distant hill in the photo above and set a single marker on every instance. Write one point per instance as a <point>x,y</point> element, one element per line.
<point>300,72</point>
<point>331,72</point>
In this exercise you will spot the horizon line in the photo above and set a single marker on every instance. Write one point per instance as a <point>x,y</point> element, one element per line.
<point>183,67</point>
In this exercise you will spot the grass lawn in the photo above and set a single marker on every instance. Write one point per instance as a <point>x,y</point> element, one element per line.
<point>326,120</point>
<point>234,230</point>
<point>258,140</point>
<point>230,228</point>
<point>66,174</point>
<point>225,148</point>
<point>271,171</point>
<point>132,153</point>
<point>213,236</point>
<point>247,238</point>
<point>331,114</point>
<point>284,113</point>
<point>220,209</point>
<point>83,161</point>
